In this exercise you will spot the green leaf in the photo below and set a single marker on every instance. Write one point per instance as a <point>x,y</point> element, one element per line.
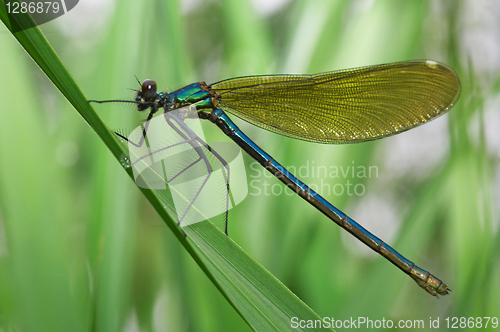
<point>261,300</point>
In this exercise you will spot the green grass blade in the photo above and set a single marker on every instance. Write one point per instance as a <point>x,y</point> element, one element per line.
<point>262,301</point>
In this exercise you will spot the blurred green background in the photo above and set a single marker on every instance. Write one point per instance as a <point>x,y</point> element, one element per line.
<point>81,249</point>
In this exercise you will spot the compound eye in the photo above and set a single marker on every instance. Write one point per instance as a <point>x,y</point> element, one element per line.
<point>148,90</point>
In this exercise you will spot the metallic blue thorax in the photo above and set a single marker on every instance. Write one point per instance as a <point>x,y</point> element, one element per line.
<point>196,93</point>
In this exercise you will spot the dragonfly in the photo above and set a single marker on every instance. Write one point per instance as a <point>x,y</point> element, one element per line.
<point>346,106</point>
